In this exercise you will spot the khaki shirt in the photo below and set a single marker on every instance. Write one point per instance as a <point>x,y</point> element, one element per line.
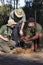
<point>29,31</point>
<point>4,31</point>
<point>38,28</point>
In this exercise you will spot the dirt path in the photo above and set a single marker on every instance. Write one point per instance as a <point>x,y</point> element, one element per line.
<point>22,59</point>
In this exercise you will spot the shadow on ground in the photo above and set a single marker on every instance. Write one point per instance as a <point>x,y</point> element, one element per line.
<point>16,60</point>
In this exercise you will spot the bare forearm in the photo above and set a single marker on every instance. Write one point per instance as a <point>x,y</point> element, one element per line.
<point>3,38</point>
<point>22,25</point>
<point>33,38</point>
<point>21,30</point>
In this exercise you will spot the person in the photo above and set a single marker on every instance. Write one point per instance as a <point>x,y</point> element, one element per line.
<point>34,33</point>
<point>19,17</point>
<point>30,35</point>
<point>38,32</point>
<point>6,42</point>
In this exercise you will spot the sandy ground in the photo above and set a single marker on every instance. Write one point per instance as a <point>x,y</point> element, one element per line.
<point>22,59</point>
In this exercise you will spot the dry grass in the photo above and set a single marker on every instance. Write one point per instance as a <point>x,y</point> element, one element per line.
<point>19,50</point>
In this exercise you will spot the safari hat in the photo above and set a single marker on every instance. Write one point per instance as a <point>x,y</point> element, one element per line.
<point>19,13</point>
<point>11,22</point>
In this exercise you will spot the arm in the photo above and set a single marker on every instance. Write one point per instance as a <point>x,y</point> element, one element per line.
<point>3,38</point>
<point>31,39</point>
<point>34,37</point>
<point>21,30</point>
<point>23,23</point>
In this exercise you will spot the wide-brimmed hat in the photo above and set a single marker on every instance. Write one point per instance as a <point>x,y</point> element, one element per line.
<point>19,12</point>
<point>11,22</point>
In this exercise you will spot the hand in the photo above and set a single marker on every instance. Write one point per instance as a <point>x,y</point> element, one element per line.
<point>21,39</point>
<point>6,39</point>
<point>25,40</point>
<point>21,32</point>
<point>27,37</point>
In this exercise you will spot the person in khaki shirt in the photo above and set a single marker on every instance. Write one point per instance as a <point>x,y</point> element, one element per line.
<point>6,43</point>
<point>33,35</point>
<point>30,34</point>
<point>39,32</point>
